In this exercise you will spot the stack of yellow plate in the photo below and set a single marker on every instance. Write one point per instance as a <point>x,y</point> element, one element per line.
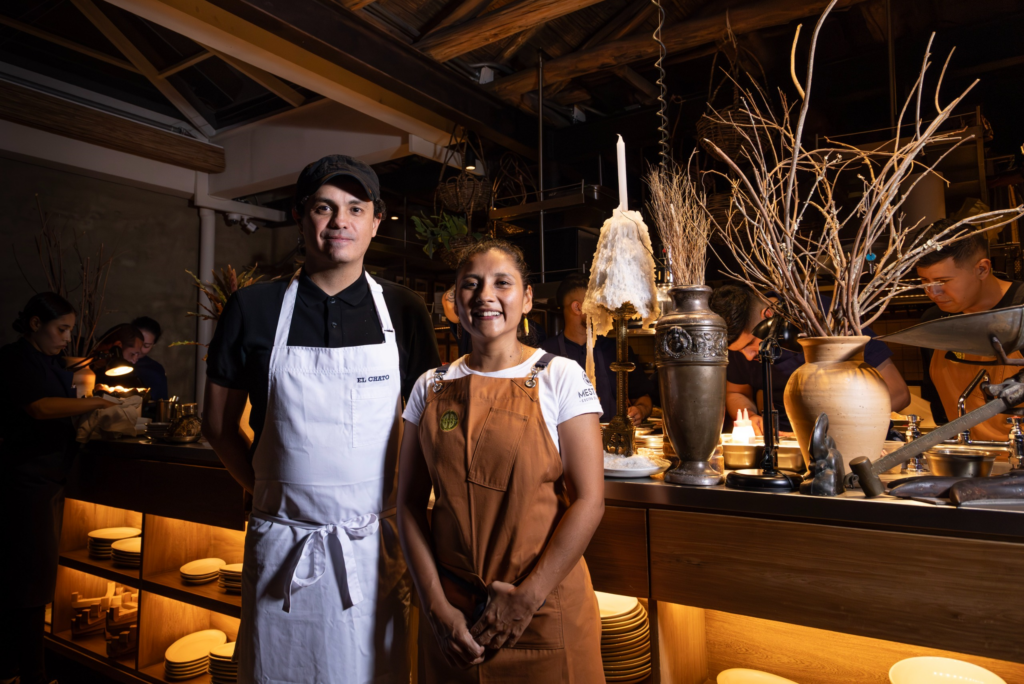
<point>189,656</point>
<point>625,638</point>
<point>223,669</point>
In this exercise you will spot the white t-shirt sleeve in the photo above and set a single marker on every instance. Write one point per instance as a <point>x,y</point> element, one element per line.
<point>418,398</point>
<point>575,395</point>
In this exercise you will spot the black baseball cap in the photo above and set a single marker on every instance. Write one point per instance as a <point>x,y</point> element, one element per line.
<point>334,166</point>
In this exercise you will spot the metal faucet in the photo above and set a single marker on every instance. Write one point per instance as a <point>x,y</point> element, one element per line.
<point>1016,442</point>
<point>961,405</point>
<point>916,464</point>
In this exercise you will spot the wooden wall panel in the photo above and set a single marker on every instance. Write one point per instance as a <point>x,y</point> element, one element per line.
<point>617,554</point>
<point>81,518</point>
<point>681,647</point>
<point>162,621</point>
<point>941,592</point>
<point>171,543</point>
<point>815,656</point>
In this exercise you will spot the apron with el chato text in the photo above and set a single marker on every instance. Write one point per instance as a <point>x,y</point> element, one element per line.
<point>324,588</point>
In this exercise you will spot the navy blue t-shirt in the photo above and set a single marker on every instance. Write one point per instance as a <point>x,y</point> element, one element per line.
<point>743,372</point>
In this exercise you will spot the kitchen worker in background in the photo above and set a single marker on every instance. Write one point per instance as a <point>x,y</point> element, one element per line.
<point>959,280</point>
<point>37,403</point>
<point>508,440</point>
<point>325,359</point>
<point>148,371</point>
<point>572,343</point>
<point>743,309</point>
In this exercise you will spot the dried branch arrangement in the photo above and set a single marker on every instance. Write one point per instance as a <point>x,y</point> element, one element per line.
<point>217,293</point>
<point>88,294</point>
<point>786,186</point>
<point>677,206</point>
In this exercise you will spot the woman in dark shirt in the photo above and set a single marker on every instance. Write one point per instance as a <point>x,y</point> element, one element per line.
<point>36,453</point>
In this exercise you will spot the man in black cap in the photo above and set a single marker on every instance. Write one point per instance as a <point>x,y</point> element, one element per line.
<point>325,360</point>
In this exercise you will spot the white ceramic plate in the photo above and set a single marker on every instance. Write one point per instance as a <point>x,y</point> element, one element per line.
<point>232,569</point>
<point>202,567</point>
<point>614,605</point>
<point>194,646</point>
<point>224,650</point>
<point>130,545</point>
<point>634,472</point>
<point>109,534</point>
<point>740,675</point>
<point>932,670</point>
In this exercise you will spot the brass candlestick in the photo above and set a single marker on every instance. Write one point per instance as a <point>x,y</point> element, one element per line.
<point>618,436</point>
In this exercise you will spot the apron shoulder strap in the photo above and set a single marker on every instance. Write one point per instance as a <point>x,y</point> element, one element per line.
<point>542,363</point>
<point>437,384</point>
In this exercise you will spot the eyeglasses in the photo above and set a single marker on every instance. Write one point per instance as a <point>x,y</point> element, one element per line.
<point>934,287</point>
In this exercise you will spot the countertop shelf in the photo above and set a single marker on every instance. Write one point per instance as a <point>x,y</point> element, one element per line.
<point>209,596</point>
<point>96,644</point>
<point>79,559</point>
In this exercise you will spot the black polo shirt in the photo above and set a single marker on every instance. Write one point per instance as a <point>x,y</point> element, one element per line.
<point>239,355</point>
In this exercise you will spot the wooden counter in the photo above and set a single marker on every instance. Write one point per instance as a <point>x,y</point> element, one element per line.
<point>822,591</point>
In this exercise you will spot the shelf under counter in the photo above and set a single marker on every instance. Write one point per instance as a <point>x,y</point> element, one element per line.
<point>209,596</point>
<point>96,644</point>
<point>79,559</point>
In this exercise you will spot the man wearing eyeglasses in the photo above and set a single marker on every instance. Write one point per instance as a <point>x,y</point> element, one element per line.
<point>959,279</point>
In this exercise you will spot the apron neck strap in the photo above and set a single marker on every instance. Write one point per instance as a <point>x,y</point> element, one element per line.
<point>284,319</point>
<point>378,302</point>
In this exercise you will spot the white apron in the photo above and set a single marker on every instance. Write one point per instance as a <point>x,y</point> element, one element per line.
<point>324,588</point>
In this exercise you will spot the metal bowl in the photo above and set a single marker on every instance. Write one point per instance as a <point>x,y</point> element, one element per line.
<point>960,461</point>
<point>744,456</point>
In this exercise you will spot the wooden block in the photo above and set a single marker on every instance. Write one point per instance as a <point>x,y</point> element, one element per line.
<point>617,554</point>
<point>815,656</point>
<point>941,592</point>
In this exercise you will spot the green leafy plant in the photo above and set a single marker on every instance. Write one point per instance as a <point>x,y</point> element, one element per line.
<point>224,284</point>
<point>447,231</point>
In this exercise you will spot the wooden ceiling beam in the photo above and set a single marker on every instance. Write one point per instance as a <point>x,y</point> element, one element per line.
<point>650,91</point>
<point>509,20</point>
<point>685,35</point>
<point>517,43</point>
<point>624,23</point>
<point>464,11</point>
<point>145,67</point>
<point>62,117</point>
<point>64,42</point>
<point>264,78</point>
<point>184,64</point>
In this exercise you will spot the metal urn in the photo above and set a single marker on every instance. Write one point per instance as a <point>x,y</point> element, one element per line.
<point>692,354</point>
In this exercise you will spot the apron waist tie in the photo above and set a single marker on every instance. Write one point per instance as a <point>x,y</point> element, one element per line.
<point>314,548</point>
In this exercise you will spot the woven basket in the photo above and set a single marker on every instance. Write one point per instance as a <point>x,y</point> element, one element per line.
<point>724,135</point>
<point>451,256</point>
<point>465,193</point>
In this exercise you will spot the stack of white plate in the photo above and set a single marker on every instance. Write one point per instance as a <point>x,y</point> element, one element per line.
<point>222,668</point>
<point>127,552</point>
<point>625,638</point>
<point>100,541</point>
<point>189,656</point>
<point>231,578</point>
<point>201,571</point>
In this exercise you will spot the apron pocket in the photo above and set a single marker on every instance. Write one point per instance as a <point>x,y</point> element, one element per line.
<point>496,449</point>
<point>372,412</point>
<point>545,629</point>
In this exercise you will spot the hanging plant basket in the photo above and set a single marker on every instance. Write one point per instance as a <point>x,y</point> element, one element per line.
<point>465,193</point>
<point>724,135</point>
<point>456,246</point>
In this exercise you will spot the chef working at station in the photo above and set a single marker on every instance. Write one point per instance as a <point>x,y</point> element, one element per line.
<point>37,450</point>
<point>507,439</point>
<point>148,371</point>
<point>325,359</point>
<point>572,343</point>
<point>743,308</point>
<point>959,280</point>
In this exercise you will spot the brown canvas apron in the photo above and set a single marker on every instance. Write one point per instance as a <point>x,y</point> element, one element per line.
<point>500,493</point>
<point>951,378</point>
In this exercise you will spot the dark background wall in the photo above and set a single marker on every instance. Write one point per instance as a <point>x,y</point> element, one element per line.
<point>155,239</point>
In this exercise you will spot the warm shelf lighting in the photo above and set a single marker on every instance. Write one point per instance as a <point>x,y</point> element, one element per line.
<point>394,218</point>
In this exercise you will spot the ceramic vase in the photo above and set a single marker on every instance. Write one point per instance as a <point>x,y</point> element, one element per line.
<point>84,380</point>
<point>836,380</point>
<point>691,356</point>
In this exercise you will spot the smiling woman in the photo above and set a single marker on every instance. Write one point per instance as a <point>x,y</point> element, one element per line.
<point>500,573</point>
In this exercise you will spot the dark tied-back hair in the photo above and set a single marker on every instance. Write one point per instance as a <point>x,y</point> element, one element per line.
<point>147,323</point>
<point>572,282</point>
<point>965,252</point>
<point>47,306</point>
<point>734,303</point>
<point>510,250</point>
<point>124,334</point>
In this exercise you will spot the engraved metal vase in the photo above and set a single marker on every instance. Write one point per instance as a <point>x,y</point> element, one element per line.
<point>691,354</point>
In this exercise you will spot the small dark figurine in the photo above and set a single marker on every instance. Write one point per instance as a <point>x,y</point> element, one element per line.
<point>827,468</point>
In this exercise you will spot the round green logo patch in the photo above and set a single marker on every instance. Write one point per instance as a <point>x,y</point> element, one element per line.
<point>449,420</point>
